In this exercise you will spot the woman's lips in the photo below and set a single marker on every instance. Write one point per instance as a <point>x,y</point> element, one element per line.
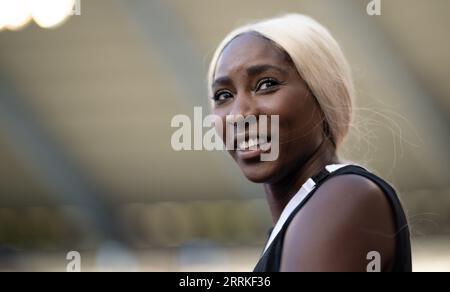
<point>252,148</point>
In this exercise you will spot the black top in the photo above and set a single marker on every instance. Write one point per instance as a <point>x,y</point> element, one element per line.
<point>271,259</point>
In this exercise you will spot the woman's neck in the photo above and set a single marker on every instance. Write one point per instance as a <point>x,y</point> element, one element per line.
<point>279,194</point>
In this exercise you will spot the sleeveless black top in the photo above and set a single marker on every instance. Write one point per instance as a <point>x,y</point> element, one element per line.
<point>271,258</point>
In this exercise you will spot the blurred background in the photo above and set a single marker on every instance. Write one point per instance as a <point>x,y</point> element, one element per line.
<point>86,103</point>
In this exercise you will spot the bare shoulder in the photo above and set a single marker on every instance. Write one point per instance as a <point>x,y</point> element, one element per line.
<point>347,217</point>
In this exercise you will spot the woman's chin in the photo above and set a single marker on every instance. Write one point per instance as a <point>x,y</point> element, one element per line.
<point>259,172</point>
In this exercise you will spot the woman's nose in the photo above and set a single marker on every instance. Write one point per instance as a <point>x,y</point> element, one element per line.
<point>243,107</point>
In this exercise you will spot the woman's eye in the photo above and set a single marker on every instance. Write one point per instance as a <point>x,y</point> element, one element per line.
<point>266,84</point>
<point>222,96</point>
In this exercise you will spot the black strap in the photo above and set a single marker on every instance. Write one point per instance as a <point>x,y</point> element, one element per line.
<point>320,176</point>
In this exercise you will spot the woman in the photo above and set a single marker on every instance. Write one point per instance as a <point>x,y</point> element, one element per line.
<point>328,216</point>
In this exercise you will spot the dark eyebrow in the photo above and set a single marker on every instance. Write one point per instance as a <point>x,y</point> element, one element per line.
<point>222,81</point>
<point>251,71</point>
<point>258,69</point>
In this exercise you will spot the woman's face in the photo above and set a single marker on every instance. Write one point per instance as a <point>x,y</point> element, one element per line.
<point>254,77</point>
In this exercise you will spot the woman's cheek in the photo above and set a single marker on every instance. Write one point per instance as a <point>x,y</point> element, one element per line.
<point>219,125</point>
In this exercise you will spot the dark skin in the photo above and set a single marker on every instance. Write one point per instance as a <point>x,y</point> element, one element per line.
<point>348,216</point>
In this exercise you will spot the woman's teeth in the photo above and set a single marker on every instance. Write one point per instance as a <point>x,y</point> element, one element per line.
<point>243,145</point>
<point>252,143</point>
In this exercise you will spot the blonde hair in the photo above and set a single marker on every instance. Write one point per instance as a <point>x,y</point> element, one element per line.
<point>318,59</point>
